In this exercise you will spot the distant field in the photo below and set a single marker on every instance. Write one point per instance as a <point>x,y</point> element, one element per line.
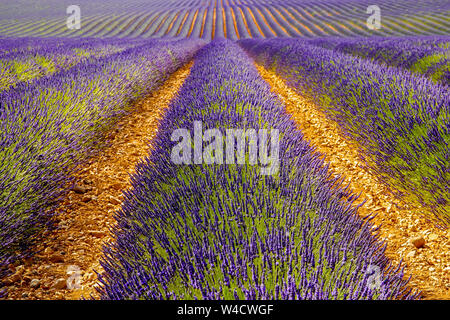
<point>232,19</point>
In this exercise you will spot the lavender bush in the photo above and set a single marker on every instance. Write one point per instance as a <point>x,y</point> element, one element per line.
<point>429,56</point>
<point>32,59</point>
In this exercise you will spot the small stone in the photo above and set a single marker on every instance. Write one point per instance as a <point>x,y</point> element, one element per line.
<point>86,198</point>
<point>13,279</point>
<point>79,189</point>
<point>433,237</point>
<point>24,295</point>
<point>63,225</point>
<point>20,269</point>
<point>56,258</point>
<point>90,276</point>
<point>111,208</point>
<point>96,233</point>
<point>418,242</point>
<point>116,186</point>
<point>59,284</point>
<point>114,200</point>
<point>35,283</point>
<point>46,285</point>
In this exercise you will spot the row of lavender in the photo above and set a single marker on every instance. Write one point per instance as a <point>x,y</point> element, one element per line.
<point>402,122</point>
<point>209,19</point>
<point>429,56</point>
<point>50,127</point>
<point>226,231</point>
<point>31,59</point>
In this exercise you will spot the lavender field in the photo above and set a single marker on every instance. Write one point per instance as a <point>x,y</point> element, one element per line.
<point>225,150</point>
<point>232,19</point>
